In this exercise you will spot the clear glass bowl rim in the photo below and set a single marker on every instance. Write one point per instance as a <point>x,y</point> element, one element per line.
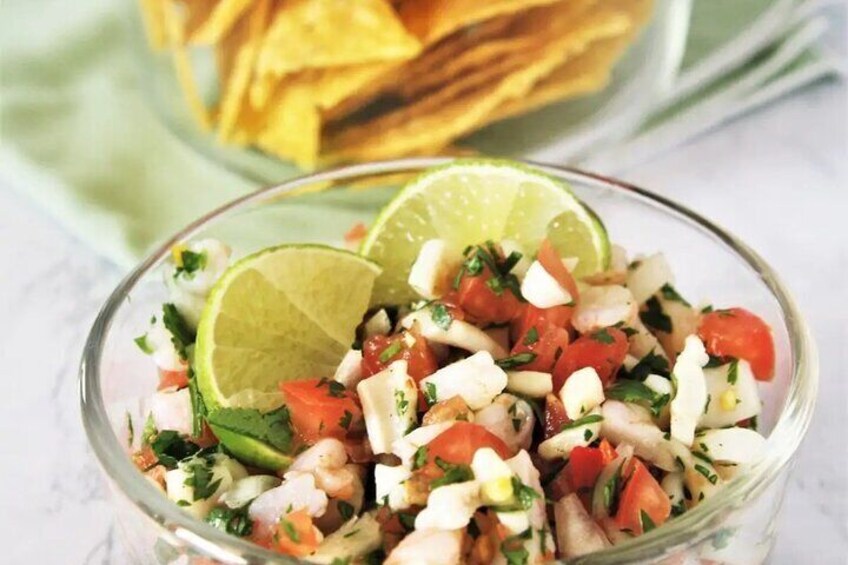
<point>684,530</point>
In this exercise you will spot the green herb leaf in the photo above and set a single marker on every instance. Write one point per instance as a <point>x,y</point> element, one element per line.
<point>733,372</point>
<point>420,458</point>
<point>453,474</point>
<point>191,263</point>
<point>290,530</point>
<point>513,550</point>
<point>647,523</point>
<point>407,520</point>
<point>636,392</point>
<point>345,420</point>
<point>273,428</point>
<point>232,521</point>
<point>669,293</point>
<point>523,495</point>
<point>346,510</point>
<point>441,316</point>
<point>654,317</point>
<point>198,406</point>
<point>602,336</point>
<point>649,364</point>
<point>340,561</point>
<point>141,342</point>
<point>610,492</point>
<point>401,403</point>
<point>389,352</point>
<point>516,360</point>
<point>181,333</point>
<point>679,508</point>
<point>171,448</point>
<point>200,478</point>
<point>584,421</point>
<point>148,434</point>
<point>130,428</point>
<point>712,478</point>
<point>430,393</point>
<point>531,337</point>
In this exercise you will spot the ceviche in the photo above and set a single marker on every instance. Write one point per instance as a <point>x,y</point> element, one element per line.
<point>486,380</point>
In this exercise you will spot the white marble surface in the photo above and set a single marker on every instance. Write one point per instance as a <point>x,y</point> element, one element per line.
<point>778,178</point>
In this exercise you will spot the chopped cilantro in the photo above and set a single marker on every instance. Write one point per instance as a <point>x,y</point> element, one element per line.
<point>401,403</point>
<point>733,372</point>
<point>141,342</point>
<point>647,523</point>
<point>707,309</point>
<point>345,420</point>
<point>602,336</point>
<point>513,550</point>
<point>713,478</point>
<point>273,428</point>
<point>290,530</point>
<point>679,508</point>
<point>198,406</point>
<point>420,458</point>
<point>702,457</point>
<point>191,263</point>
<point>346,510</point>
<point>584,421</point>
<point>336,389</point>
<point>181,333</point>
<point>523,496</point>
<point>430,393</point>
<point>516,360</point>
<point>148,434</point>
<point>654,317</point>
<point>531,337</point>
<point>407,520</point>
<point>340,561</point>
<point>441,316</point>
<point>171,448</point>
<point>610,492</point>
<point>635,392</point>
<point>200,478</point>
<point>130,428</point>
<point>715,361</point>
<point>587,435</point>
<point>390,351</point>
<point>650,363</point>
<point>232,521</point>
<point>670,293</point>
<point>453,474</point>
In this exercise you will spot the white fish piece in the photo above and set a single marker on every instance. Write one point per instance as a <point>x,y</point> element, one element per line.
<point>581,393</point>
<point>159,342</point>
<point>690,397</point>
<point>533,384</point>
<point>602,307</point>
<point>541,541</point>
<point>171,410</point>
<point>648,276</point>
<point>450,507</point>
<point>298,491</point>
<point>246,489</point>
<point>632,424</point>
<point>733,395</point>
<point>741,446</point>
<point>459,334</point>
<point>406,446</point>
<point>508,247</point>
<point>510,418</point>
<point>223,468</point>
<point>390,486</point>
<point>477,379</point>
<point>378,324</point>
<point>430,273</point>
<point>357,537</point>
<point>349,371</point>
<point>428,547</point>
<point>576,532</point>
<point>389,400</point>
<point>542,290</point>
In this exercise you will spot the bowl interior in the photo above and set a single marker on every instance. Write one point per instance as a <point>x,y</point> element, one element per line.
<point>709,265</point>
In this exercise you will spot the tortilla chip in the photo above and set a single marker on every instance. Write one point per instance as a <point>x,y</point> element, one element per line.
<point>463,105</point>
<point>194,14</point>
<point>309,34</point>
<point>220,20</point>
<point>431,20</point>
<point>291,125</point>
<point>247,38</point>
<point>153,14</point>
<point>183,67</point>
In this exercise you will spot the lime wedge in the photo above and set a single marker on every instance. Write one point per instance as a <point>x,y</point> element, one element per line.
<point>284,313</point>
<point>471,201</point>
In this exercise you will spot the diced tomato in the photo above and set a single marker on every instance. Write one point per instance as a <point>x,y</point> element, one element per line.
<point>172,379</point>
<point>547,347</point>
<point>541,318</point>
<point>641,493</point>
<point>206,438</point>
<point>553,264</point>
<point>603,350</point>
<point>145,458</point>
<point>736,332</point>
<point>485,305</point>
<point>377,355</point>
<point>296,535</point>
<point>320,408</point>
<point>584,466</point>
<point>555,417</point>
<point>608,451</point>
<point>459,443</point>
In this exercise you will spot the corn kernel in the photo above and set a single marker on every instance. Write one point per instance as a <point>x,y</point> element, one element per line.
<point>497,491</point>
<point>177,253</point>
<point>728,400</point>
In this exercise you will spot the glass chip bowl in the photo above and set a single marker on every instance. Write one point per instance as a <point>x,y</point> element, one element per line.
<point>563,132</point>
<point>737,526</point>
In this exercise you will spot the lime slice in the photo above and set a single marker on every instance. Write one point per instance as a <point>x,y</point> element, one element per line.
<point>471,201</point>
<point>284,313</point>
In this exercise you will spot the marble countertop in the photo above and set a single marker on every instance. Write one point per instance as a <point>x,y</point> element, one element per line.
<point>778,178</point>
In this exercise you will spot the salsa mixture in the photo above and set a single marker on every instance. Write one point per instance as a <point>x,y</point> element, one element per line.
<point>490,402</point>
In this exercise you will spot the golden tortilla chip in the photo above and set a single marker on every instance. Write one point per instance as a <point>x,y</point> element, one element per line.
<point>309,34</point>
<point>463,105</point>
<point>291,125</point>
<point>153,14</point>
<point>431,20</point>
<point>247,38</point>
<point>183,67</point>
<point>220,20</point>
<point>194,14</point>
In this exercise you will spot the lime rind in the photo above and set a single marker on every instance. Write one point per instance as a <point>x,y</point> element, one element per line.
<point>472,200</point>
<point>252,451</point>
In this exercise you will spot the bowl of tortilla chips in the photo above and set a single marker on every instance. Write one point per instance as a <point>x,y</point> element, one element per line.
<point>270,86</point>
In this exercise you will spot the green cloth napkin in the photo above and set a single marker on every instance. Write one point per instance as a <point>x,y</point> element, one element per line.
<point>77,135</point>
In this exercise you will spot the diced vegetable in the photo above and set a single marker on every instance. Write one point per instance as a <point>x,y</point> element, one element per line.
<point>576,532</point>
<point>510,418</point>
<point>494,476</point>
<point>198,482</point>
<point>643,504</point>
<point>357,537</point>
<point>380,351</point>
<point>460,442</point>
<point>541,348</point>
<point>321,408</point>
<point>349,371</point>
<point>246,489</point>
<point>738,333</point>
<point>477,379</point>
<point>378,324</point>
<point>632,424</point>
<point>580,432</point>
<point>603,350</point>
<point>459,334</point>
<point>542,290</point>
<point>582,392</point>
<point>730,445</point>
<point>533,384</point>
<point>733,394</point>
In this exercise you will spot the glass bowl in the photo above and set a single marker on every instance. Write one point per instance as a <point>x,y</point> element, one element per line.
<point>736,526</point>
<point>562,132</point>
